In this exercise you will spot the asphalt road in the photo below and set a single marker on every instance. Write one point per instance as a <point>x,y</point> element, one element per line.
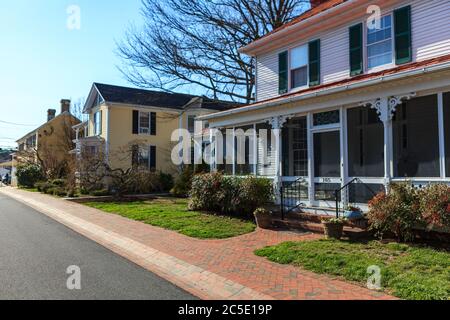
<point>36,251</point>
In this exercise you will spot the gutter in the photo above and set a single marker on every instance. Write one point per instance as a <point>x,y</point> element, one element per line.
<point>264,40</point>
<point>324,92</point>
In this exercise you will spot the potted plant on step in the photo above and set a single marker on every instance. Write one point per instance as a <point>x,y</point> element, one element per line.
<point>353,212</point>
<point>263,218</point>
<point>334,228</point>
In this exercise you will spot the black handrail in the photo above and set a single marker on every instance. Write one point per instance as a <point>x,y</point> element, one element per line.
<point>296,194</point>
<point>337,191</point>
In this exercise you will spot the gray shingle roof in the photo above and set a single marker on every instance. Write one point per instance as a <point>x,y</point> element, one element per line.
<point>133,96</point>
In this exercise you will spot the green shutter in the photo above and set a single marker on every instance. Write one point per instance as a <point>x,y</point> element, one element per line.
<point>356,50</point>
<point>402,25</point>
<point>283,72</point>
<point>314,63</point>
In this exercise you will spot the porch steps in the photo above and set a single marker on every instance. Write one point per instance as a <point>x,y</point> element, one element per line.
<point>312,223</point>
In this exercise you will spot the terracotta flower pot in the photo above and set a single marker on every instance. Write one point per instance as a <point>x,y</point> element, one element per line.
<point>263,219</point>
<point>333,230</point>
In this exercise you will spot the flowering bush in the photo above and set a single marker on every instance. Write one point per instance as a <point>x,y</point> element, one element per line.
<point>435,205</point>
<point>397,212</point>
<point>229,195</point>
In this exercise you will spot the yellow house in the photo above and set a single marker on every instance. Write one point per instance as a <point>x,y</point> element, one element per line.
<point>134,125</point>
<point>50,143</point>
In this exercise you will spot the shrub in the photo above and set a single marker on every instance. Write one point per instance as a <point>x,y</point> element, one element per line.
<point>229,195</point>
<point>166,181</point>
<point>183,182</point>
<point>100,193</point>
<point>59,192</point>
<point>435,205</point>
<point>43,186</point>
<point>397,212</point>
<point>28,175</point>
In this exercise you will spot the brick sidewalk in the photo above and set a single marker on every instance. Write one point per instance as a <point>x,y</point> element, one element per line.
<point>209,269</point>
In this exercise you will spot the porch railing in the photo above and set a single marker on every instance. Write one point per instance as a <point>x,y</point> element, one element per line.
<point>292,194</point>
<point>338,193</point>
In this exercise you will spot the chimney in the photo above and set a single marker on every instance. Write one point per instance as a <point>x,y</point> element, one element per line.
<point>65,105</point>
<point>51,113</point>
<point>316,3</point>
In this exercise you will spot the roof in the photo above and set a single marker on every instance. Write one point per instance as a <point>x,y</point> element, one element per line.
<point>158,99</point>
<point>46,123</point>
<point>342,83</point>
<point>327,5</point>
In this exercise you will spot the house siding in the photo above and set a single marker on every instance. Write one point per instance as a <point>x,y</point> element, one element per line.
<point>430,39</point>
<point>430,29</point>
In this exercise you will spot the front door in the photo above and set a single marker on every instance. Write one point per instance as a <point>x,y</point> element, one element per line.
<point>327,167</point>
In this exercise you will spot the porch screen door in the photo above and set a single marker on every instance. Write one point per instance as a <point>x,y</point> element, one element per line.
<point>327,165</point>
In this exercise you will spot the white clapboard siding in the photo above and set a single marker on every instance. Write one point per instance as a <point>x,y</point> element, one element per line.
<point>430,39</point>
<point>430,29</point>
<point>267,77</point>
<point>335,63</point>
<point>268,169</point>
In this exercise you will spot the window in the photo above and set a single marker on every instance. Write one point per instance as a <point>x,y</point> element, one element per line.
<point>191,124</point>
<point>379,44</point>
<point>365,143</point>
<point>144,123</point>
<point>295,148</point>
<point>299,67</point>
<point>98,123</point>
<point>144,157</point>
<point>327,118</point>
<point>416,139</point>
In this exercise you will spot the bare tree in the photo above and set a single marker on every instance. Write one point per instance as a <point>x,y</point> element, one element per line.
<point>195,43</point>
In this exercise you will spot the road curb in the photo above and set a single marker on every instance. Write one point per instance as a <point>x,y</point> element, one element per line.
<point>193,279</point>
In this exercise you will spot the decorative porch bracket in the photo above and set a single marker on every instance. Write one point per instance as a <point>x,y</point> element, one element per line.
<point>386,108</point>
<point>277,123</point>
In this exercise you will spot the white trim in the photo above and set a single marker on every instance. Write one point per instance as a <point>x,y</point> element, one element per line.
<point>310,137</point>
<point>442,137</point>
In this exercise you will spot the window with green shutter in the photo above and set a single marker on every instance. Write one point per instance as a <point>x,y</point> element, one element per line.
<point>283,72</point>
<point>402,24</point>
<point>314,63</point>
<point>356,50</point>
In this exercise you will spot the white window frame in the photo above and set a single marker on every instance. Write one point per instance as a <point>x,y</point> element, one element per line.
<point>392,64</point>
<point>97,123</point>
<point>294,89</point>
<point>149,124</point>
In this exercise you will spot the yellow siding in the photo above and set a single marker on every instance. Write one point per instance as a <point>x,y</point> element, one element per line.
<point>121,137</point>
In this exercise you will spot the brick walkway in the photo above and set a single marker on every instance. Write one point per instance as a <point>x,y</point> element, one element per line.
<point>209,269</point>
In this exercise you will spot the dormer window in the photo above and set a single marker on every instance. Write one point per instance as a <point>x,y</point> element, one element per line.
<point>380,44</point>
<point>299,67</point>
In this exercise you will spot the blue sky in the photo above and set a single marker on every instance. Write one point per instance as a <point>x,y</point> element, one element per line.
<point>42,61</point>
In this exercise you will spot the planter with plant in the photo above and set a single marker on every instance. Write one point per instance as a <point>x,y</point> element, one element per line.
<point>353,212</point>
<point>334,228</point>
<point>263,218</point>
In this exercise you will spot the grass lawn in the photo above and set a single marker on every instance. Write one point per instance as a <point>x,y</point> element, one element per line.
<point>173,214</point>
<point>29,189</point>
<point>408,272</point>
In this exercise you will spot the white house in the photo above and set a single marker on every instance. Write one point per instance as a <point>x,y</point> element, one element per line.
<point>353,100</point>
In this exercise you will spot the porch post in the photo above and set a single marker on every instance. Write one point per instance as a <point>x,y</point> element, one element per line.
<point>311,191</point>
<point>255,150</point>
<point>277,124</point>
<point>386,108</point>
<point>234,151</point>
<point>442,137</point>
